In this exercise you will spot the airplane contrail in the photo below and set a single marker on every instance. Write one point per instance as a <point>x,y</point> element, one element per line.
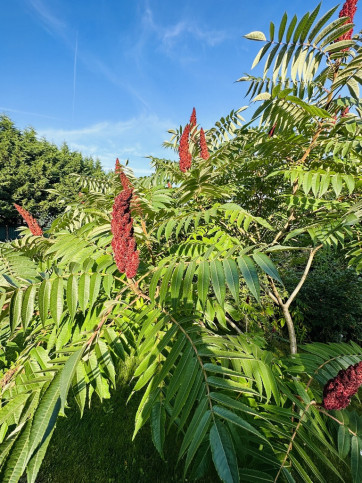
<point>74,73</point>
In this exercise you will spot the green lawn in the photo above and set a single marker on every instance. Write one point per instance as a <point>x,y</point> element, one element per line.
<point>98,448</point>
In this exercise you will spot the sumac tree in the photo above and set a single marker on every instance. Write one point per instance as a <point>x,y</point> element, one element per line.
<point>211,240</point>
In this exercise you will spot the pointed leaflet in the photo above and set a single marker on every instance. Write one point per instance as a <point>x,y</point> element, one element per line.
<point>325,180</point>
<point>300,27</point>
<point>105,360</point>
<point>176,283</point>
<point>331,27</point>
<point>223,453</point>
<point>271,31</point>
<point>250,274</point>
<point>34,464</point>
<point>282,27</point>
<point>15,309</point>
<point>6,446</point>
<point>322,21</point>
<point>256,35</point>
<point>67,374</point>
<point>158,423</point>
<point>94,287</point>
<point>203,280</point>
<point>187,382</point>
<point>197,437</point>
<point>107,283</point>
<point>232,278</point>
<point>337,183</point>
<point>114,342</point>
<point>44,299</point>
<point>165,281</point>
<point>72,295</point>
<point>190,401</point>
<point>307,181</point>
<point>201,462</point>
<point>187,290</point>
<point>218,280</point>
<point>14,404</point>
<point>45,416</point>
<point>315,184</point>
<point>349,179</point>
<point>344,441</point>
<point>309,23</point>
<point>356,459</point>
<point>177,376</point>
<point>56,299</point>
<point>195,421</point>
<point>268,379</point>
<point>80,387</point>
<point>235,419</point>
<point>261,54</point>
<point>18,457</point>
<point>291,28</point>
<point>27,309</point>
<point>84,283</point>
<point>267,265</point>
<point>154,282</point>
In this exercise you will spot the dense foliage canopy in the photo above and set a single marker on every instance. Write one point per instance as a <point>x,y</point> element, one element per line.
<point>35,173</point>
<point>182,272</point>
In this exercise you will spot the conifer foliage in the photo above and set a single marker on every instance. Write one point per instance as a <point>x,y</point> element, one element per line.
<point>190,285</point>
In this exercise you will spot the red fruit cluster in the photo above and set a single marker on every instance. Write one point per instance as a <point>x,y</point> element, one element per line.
<point>184,148</point>
<point>338,391</point>
<point>124,180</point>
<point>348,10</point>
<point>184,151</point>
<point>31,222</point>
<point>193,121</point>
<point>123,242</point>
<point>126,184</point>
<point>203,146</point>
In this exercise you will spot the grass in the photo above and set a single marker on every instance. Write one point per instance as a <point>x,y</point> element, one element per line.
<point>99,449</point>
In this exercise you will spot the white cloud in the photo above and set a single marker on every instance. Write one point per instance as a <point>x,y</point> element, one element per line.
<point>171,34</point>
<point>210,37</point>
<point>134,139</point>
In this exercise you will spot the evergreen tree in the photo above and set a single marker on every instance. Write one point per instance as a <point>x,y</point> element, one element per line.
<point>29,167</point>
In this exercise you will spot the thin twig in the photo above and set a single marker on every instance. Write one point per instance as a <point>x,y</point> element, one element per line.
<point>290,446</point>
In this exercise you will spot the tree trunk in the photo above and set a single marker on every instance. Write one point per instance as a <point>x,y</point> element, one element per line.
<point>291,330</point>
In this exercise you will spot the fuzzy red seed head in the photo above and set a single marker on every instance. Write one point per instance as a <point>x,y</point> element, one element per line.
<point>204,152</point>
<point>118,168</point>
<point>348,10</point>
<point>125,181</point>
<point>184,150</point>
<point>30,221</point>
<point>193,121</point>
<point>338,391</point>
<point>123,242</point>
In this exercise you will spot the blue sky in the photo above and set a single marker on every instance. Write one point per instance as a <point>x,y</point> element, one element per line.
<point>110,77</point>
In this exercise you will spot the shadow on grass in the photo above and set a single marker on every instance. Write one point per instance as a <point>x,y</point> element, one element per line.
<point>99,449</point>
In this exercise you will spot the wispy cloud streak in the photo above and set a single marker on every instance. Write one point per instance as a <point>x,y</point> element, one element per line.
<point>59,28</point>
